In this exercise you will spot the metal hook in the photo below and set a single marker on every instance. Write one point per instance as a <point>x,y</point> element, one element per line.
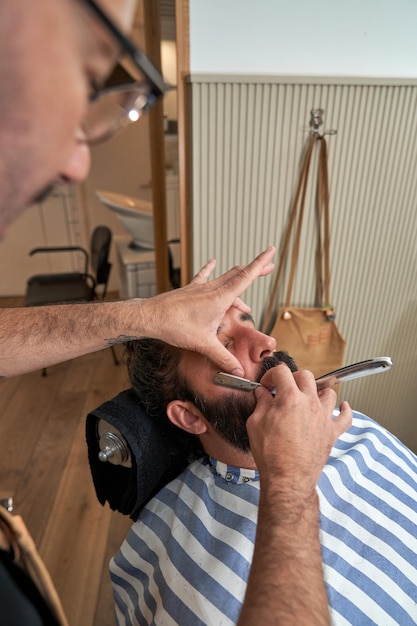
<point>316,120</point>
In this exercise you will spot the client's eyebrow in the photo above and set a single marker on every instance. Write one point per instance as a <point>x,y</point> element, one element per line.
<point>247,317</point>
<point>244,317</point>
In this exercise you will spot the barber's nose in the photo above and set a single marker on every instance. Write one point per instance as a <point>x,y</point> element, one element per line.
<point>261,346</point>
<point>77,166</point>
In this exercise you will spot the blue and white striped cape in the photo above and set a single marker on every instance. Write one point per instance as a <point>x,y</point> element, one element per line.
<point>187,558</point>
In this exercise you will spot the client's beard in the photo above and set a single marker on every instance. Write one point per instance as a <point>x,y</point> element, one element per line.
<point>229,415</point>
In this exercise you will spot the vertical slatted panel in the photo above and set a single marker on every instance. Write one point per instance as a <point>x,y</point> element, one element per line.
<point>247,140</point>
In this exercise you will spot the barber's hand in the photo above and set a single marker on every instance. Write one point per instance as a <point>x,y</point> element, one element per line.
<point>291,434</point>
<point>189,317</point>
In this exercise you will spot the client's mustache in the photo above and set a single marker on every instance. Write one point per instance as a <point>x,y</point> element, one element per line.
<point>271,361</point>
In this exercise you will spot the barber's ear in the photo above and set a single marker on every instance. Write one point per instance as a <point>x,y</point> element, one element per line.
<point>186,416</point>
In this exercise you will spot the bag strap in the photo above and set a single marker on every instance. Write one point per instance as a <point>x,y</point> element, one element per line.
<point>301,187</point>
<point>324,223</point>
<point>323,249</point>
<point>16,538</point>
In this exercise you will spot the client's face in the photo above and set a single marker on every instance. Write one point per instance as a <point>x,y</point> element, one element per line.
<point>226,409</point>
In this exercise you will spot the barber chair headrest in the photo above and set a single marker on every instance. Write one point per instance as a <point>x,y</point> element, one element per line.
<point>140,455</point>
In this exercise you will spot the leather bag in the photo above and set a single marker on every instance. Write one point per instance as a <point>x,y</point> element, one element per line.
<point>310,334</point>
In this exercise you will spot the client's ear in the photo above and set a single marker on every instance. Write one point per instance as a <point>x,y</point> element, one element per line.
<point>186,416</point>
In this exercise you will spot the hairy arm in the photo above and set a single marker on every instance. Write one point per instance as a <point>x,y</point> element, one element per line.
<point>291,436</point>
<point>286,580</point>
<point>36,337</point>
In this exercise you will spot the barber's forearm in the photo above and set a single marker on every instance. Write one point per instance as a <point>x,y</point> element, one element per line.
<point>35,337</point>
<point>32,338</point>
<point>286,585</point>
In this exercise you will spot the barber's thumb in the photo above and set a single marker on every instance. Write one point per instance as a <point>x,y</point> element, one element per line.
<point>262,392</point>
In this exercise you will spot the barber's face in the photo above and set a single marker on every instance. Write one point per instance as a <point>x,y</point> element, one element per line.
<point>50,54</point>
<point>228,410</point>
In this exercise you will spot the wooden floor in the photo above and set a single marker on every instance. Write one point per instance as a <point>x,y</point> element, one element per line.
<point>44,465</point>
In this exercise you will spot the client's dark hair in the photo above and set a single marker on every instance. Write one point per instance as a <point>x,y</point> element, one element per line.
<point>153,372</point>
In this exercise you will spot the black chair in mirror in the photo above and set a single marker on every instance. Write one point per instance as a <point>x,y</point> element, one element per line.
<point>73,286</point>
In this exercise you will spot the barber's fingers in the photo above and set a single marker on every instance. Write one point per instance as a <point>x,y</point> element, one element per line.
<point>285,381</point>
<point>242,306</point>
<point>233,282</point>
<point>305,381</point>
<point>202,305</point>
<point>240,277</point>
<point>280,374</point>
<point>203,275</point>
<point>223,358</point>
<point>264,400</point>
<point>327,397</point>
<point>343,421</point>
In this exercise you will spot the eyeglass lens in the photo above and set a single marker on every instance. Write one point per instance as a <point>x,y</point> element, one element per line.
<point>115,108</point>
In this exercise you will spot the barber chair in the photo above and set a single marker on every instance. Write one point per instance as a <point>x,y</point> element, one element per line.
<point>131,455</point>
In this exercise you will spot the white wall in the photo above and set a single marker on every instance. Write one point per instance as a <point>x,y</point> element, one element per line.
<point>325,37</point>
<point>237,152</point>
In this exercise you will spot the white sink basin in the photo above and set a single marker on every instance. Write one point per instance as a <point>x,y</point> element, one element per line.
<point>135,215</point>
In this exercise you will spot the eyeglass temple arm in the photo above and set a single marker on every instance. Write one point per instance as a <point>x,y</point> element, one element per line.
<point>148,68</point>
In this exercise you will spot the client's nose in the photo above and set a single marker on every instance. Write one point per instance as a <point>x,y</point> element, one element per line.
<point>262,345</point>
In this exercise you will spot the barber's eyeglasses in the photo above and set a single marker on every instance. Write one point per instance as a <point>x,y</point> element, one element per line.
<point>113,108</point>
